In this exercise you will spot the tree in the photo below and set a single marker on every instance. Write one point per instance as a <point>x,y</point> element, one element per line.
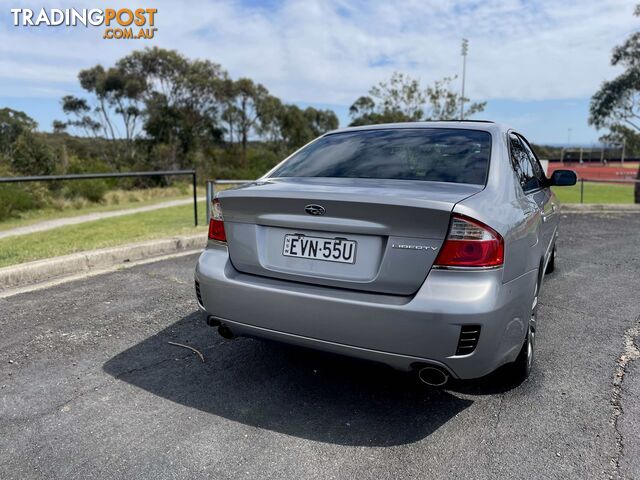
<point>153,94</point>
<point>24,150</point>
<point>79,109</point>
<point>32,155</point>
<point>294,128</point>
<point>400,93</point>
<point>621,134</point>
<point>402,99</point>
<point>117,93</point>
<point>167,111</point>
<point>13,123</point>
<point>399,99</point>
<point>182,99</point>
<point>616,105</point>
<point>249,99</point>
<point>272,115</point>
<point>320,121</point>
<point>444,102</point>
<point>230,113</point>
<point>618,100</point>
<point>289,127</point>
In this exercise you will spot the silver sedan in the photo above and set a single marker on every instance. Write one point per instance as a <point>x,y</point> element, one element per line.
<point>419,245</point>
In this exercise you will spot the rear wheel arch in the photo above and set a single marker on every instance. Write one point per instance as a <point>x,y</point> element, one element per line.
<point>519,370</point>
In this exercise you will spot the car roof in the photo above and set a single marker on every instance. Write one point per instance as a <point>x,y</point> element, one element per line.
<point>485,125</point>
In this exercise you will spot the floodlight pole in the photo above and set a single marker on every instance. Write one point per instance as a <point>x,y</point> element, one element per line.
<point>465,49</point>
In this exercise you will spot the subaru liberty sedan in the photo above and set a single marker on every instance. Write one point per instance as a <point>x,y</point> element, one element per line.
<point>419,245</point>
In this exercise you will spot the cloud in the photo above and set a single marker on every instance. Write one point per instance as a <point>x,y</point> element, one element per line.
<point>332,51</point>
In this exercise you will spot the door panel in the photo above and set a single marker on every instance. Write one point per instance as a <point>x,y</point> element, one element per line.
<point>542,196</point>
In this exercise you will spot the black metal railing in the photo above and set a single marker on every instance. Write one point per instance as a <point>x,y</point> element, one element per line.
<point>89,176</point>
<point>615,181</point>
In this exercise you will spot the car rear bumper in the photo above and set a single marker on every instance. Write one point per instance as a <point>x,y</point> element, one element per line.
<point>401,331</point>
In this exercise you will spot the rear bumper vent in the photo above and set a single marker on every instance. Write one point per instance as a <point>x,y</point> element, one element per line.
<point>469,335</point>
<point>199,296</point>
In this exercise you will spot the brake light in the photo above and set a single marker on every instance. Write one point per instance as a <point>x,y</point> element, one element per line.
<point>216,222</point>
<point>470,243</point>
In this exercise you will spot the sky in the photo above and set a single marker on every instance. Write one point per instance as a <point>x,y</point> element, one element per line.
<point>535,62</point>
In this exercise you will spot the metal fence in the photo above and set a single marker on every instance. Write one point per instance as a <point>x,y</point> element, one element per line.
<point>89,176</point>
<point>603,180</point>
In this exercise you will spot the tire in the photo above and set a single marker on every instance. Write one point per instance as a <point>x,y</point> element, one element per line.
<point>551,266</point>
<point>521,368</point>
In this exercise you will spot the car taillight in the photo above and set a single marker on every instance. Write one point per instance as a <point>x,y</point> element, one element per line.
<point>216,222</point>
<point>470,243</point>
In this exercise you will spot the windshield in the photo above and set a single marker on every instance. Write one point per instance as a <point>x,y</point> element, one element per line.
<point>435,154</point>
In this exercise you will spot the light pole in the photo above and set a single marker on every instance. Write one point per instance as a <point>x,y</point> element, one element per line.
<point>465,49</point>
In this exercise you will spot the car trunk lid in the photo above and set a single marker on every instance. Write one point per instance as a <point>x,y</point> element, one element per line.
<point>398,227</point>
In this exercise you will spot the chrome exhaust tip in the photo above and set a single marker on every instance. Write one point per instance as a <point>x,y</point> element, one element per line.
<point>433,376</point>
<point>225,332</point>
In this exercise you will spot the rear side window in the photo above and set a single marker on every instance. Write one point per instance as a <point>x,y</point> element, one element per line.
<point>433,154</point>
<point>535,163</point>
<point>522,164</point>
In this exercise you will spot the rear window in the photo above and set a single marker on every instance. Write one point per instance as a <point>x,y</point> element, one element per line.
<point>437,155</point>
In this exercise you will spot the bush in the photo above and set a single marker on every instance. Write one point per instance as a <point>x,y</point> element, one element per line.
<point>92,190</point>
<point>19,197</point>
<point>32,155</point>
<point>16,198</point>
<point>228,163</point>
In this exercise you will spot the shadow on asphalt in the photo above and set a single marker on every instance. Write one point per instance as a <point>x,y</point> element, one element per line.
<point>295,391</point>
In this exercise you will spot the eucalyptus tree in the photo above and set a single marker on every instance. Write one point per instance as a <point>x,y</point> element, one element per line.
<point>616,105</point>
<point>403,99</point>
<point>617,102</point>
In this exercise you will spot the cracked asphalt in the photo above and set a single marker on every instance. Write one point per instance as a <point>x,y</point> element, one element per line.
<point>90,388</point>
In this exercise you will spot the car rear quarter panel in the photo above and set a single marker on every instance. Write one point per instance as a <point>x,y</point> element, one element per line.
<point>502,206</point>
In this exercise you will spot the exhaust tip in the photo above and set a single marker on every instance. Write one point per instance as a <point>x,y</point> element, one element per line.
<point>212,321</point>
<point>433,376</point>
<point>225,332</point>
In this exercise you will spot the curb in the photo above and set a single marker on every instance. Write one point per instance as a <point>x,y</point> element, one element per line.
<point>600,208</point>
<point>41,270</point>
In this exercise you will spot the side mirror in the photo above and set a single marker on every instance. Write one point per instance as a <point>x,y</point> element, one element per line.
<point>563,178</point>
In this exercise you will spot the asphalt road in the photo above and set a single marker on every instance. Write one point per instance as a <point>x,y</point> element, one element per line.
<point>90,388</point>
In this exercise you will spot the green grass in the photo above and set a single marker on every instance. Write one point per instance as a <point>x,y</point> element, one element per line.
<point>114,200</point>
<point>596,193</point>
<point>101,233</point>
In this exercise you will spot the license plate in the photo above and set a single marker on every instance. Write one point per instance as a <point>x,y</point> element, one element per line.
<point>317,248</point>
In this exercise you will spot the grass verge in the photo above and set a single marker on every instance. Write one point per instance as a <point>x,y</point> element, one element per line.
<point>596,193</point>
<point>109,232</point>
<point>114,200</point>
